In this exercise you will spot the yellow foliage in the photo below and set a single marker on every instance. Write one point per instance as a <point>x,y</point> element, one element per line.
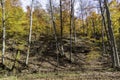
<point>93,55</point>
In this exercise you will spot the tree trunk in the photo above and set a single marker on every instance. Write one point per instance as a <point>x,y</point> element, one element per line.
<point>73,20</point>
<point>112,39</point>
<point>3,29</point>
<point>102,28</point>
<point>30,34</point>
<point>54,32</point>
<point>61,26</point>
<point>87,25</point>
<point>71,31</point>
<point>82,15</point>
<point>105,28</point>
<point>71,26</point>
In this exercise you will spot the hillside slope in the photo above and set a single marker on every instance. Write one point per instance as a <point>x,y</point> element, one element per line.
<point>88,62</point>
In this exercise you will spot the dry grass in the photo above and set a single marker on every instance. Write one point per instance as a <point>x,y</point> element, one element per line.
<point>68,76</point>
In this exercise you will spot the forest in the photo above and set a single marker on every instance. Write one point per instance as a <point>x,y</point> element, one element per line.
<point>60,40</point>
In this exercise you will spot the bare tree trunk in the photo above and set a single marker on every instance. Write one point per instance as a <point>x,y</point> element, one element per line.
<point>55,35</point>
<point>83,25</point>
<point>87,25</point>
<point>30,33</point>
<point>102,29</point>
<point>112,39</point>
<point>3,29</point>
<point>61,26</point>
<point>61,20</point>
<point>103,42</point>
<point>71,27</point>
<point>104,26</point>
<point>106,31</point>
<point>73,20</point>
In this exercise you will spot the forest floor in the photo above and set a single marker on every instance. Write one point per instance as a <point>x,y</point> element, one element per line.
<point>88,63</point>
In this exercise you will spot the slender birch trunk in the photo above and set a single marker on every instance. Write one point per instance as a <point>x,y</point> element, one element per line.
<point>30,33</point>
<point>3,29</point>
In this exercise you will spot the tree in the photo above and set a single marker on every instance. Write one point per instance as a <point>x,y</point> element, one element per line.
<point>71,26</point>
<point>102,27</point>
<point>112,38</point>
<point>54,31</point>
<point>82,16</point>
<point>3,29</point>
<point>74,27</point>
<point>30,33</point>
<point>61,27</point>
